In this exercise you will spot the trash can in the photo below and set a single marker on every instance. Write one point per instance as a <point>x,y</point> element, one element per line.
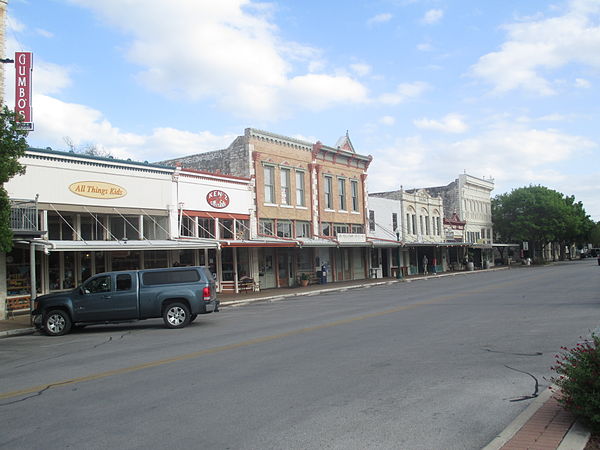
<point>470,266</point>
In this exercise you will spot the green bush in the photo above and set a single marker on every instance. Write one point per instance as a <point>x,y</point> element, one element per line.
<point>578,378</point>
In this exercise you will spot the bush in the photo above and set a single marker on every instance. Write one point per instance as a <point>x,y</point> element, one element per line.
<point>578,378</point>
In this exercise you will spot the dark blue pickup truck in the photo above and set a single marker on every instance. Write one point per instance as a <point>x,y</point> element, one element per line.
<point>176,294</point>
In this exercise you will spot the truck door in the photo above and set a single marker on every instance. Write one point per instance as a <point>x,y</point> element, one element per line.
<point>107,297</point>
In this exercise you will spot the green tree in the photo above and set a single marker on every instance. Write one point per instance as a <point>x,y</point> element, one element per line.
<point>539,216</point>
<point>12,147</point>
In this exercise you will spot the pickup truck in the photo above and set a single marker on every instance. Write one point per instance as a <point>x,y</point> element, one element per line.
<point>176,294</point>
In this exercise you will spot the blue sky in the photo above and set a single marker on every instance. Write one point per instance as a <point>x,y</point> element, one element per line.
<point>431,88</point>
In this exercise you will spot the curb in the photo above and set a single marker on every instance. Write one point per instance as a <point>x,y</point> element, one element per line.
<point>576,438</point>
<point>17,332</point>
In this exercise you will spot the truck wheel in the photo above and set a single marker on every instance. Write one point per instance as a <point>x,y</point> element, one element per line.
<point>56,322</point>
<point>176,315</point>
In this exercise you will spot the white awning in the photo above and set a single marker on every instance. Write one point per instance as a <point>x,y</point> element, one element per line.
<point>78,246</point>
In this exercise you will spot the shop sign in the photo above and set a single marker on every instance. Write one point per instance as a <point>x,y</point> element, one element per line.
<point>23,67</point>
<point>217,199</point>
<point>97,189</point>
<point>351,237</point>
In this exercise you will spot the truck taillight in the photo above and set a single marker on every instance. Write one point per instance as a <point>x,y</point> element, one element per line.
<point>206,294</point>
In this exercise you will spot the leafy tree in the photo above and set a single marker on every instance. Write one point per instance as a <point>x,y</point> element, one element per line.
<point>12,147</point>
<point>540,216</point>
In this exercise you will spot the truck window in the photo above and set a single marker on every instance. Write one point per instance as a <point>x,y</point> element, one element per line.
<point>123,282</point>
<point>170,277</point>
<point>99,284</point>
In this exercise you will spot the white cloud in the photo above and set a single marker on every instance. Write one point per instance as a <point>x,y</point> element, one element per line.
<point>379,18</point>
<point>425,47</point>
<point>55,120</point>
<point>432,16</point>
<point>361,69</point>
<point>237,56</point>
<point>538,46</point>
<point>387,120</point>
<point>404,92</point>
<point>582,83</point>
<point>451,123</point>
<point>513,154</point>
<point>45,33</point>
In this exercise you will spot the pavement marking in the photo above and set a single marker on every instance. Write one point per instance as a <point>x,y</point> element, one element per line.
<point>260,340</point>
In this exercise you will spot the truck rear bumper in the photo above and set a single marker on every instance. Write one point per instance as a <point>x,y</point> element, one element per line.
<point>211,306</point>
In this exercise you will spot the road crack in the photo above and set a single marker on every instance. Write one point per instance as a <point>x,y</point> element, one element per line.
<point>525,397</point>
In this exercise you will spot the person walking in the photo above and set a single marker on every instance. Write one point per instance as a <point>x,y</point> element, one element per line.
<point>433,266</point>
<point>425,262</point>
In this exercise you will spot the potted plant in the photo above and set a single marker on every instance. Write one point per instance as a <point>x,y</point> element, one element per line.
<point>304,279</point>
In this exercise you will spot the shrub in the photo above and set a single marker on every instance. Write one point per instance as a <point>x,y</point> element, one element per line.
<point>578,378</point>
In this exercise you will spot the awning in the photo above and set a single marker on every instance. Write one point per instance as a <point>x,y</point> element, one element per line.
<point>259,243</point>
<point>381,243</point>
<point>77,246</point>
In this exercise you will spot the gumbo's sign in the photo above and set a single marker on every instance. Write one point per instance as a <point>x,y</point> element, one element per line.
<point>23,67</point>
<point>97,189</point>
<point>217,199</point>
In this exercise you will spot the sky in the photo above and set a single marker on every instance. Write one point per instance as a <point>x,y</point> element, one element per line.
<point>501,89</point>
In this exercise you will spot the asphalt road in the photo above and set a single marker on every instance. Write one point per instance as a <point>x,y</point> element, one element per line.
<point>431,364</point>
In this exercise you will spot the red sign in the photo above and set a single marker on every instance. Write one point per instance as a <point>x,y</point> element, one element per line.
<point>23,68</point>
<point>217,199</point>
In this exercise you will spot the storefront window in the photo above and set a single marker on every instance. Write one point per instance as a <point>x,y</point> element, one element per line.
<point>154,259</point>
<point>18,272</point>
<point>188,257</point>
<point>69,270</point>
<point>100,264</point>
<point>128,260</point>
<point>243,263</point>
<point>85,265</point>
<point>227,264</point>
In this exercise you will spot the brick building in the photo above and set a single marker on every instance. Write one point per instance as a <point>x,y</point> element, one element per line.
<point>309,204</point>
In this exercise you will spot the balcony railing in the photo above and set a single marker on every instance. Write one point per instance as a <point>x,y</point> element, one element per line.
<point>23,216</point>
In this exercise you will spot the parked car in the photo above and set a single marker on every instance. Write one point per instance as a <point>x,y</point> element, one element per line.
<point>176,294</point>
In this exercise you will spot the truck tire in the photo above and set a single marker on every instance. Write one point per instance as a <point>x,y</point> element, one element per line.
<point>56,322</point>
<point>193,317</point>
<point>176,315</point>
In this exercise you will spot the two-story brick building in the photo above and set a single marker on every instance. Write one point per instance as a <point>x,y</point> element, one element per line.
<point>309,203</point>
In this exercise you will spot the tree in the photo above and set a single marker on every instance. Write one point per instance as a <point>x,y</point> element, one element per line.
<point>540,216</point>
<point>12,147</point>
<point>86,149</point>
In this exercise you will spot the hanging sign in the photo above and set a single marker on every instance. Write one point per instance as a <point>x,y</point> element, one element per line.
<point>217,199</point>
<point>97,189</point>
<point>23,68</point>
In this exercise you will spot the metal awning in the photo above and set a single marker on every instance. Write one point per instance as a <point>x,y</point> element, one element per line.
<point>259,243</point>
<point>75,246</point>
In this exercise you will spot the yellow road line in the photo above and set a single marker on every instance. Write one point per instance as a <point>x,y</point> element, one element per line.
<point>247,343</point>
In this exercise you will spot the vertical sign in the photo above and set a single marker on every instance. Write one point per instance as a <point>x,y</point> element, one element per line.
<point>23,67</point>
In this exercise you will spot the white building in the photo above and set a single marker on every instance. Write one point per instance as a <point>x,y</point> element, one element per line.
<point>75,215</point>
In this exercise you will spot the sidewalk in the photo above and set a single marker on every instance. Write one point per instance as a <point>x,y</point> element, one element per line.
<point>544,425</point>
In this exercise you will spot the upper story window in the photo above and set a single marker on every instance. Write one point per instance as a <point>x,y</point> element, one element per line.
<point>371,220</point>
<point>354,193</point>
<point>340,228</point>
<point>342,193</point>
<point>265,226</point>
<point>285,186</point>
<point>328,192</point>
<point>300,189</point>
<point>394,221</point>
<point>269,173</point>
<point>358,229</point>
<point>206,228</point>
<point>302,229</point>
<point>284,228</point>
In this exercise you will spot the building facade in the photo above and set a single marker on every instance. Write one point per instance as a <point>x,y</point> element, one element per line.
<point>310,203</point>
<point>75,215</point>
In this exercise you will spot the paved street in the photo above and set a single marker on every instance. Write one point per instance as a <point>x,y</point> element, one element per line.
<point>428,364</point>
